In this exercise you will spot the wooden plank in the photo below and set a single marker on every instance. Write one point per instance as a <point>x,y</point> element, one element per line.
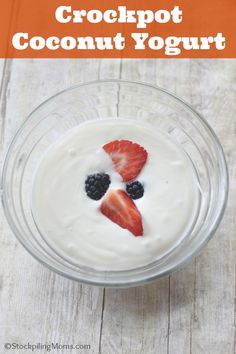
<point>214,317</point>
<point>36,304</point>
<point>136,320</point>
<point>202,294</point>
<point>175,78</point>
<point>109,69</point>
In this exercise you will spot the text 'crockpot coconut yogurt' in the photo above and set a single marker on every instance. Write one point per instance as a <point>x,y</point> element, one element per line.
<point>114,195</point>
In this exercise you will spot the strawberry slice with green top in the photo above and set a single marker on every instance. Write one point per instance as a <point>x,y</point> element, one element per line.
<point>120,208</point>
<point>128,158</point>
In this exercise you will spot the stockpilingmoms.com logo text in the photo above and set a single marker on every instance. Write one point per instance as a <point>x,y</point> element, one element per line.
<point>48,347</point>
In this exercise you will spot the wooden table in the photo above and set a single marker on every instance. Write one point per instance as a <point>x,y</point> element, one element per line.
<point>191,311</point>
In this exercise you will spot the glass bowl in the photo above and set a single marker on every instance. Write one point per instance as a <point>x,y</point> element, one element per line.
<point>114,99</point>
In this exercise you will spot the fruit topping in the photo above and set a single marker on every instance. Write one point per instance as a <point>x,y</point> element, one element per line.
<point>135,190</point>
<point>128,158</point>
<point>96,185</point>
<point>120,208</point>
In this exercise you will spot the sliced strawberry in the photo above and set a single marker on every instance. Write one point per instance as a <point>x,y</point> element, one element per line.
<point>120,209</point>
<point>128,158</point>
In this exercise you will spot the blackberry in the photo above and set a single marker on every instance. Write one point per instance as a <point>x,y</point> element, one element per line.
<point>135,190</point>
<point>96,185</point>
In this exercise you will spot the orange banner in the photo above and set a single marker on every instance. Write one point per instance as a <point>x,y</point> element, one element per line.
<point>114,29</point>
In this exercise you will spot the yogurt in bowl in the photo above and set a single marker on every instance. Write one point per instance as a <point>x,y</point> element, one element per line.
<point>114,183</point>
<point>146,207</point>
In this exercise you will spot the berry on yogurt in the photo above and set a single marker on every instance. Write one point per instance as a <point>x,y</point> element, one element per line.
<point>128,158</point>
<point>120,208</point>
<point>96,185</point>
<point>135,190</point>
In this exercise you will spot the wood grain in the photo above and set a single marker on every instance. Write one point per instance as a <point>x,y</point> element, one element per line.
<point>37,305</point>
<point>190,312</point>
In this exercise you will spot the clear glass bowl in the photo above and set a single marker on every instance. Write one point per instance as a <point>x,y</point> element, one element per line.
<point>114,99</point>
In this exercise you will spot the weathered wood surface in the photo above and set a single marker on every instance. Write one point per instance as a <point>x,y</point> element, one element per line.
<point>193,310</point>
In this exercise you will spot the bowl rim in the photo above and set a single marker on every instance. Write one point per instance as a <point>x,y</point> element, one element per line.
<point>184,260</point>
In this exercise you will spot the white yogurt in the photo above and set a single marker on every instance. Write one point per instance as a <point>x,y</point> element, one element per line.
<point>72,223</point>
